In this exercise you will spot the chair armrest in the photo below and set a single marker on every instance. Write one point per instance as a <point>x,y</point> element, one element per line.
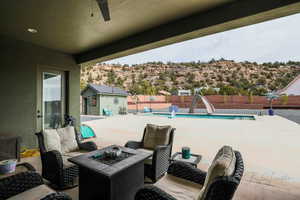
<point>151,192</point>
<point>162,152</point>
<point>19,183</point>
<point>133,144</point>
<point>57,196</point>
<point>161,159</point>
<point>28,166</point>
<point>186,171</point>
<point>88,146</point>
<point>161,147</point>
<point>52,160</point>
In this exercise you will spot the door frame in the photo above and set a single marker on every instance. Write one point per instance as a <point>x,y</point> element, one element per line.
<point>39,121</point>
<point>85,105</point>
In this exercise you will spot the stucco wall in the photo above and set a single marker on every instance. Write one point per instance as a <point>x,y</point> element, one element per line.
<point>238,102</point>
<point>18,83</point>
<point>154,102</point>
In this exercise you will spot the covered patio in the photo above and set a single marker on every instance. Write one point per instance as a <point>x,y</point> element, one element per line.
<point>269,173</point>
<point>45,43</point>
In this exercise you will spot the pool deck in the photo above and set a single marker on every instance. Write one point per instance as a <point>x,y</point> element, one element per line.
<point>269,145</point>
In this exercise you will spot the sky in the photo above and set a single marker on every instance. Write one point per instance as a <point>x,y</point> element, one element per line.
<point>276,40</point>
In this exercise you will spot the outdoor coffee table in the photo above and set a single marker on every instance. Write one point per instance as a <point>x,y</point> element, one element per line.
<point>193,160</point>
<point>110,179</point>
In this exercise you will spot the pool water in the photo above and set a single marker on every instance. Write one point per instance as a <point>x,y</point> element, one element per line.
<point>206,116</point>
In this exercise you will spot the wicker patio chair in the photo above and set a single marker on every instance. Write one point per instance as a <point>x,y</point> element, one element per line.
<point>157,165</point>
<point>28,185</point>
<point>186,182</point>
<point>10,149</point>
<point>55,166</point>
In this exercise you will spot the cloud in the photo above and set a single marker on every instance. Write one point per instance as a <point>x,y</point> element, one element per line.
<point>275,40</point>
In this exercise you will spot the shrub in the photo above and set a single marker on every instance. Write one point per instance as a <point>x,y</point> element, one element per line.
<point>284,99</point>
<point>250,98</point>
<point>225,98</point>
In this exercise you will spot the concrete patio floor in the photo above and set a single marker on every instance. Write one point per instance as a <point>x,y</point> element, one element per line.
<point>269,146</point>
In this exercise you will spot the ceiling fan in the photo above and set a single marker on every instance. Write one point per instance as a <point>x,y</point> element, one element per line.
<point>103,5</point>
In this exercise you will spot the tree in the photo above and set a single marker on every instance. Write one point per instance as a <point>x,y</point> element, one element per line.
<point>173,91</point>
<point>228,90</point>
<point>261,81</point>
<point>208,91</point>
<point>90,78</point>
<point>82,85</point>
<point>163,76</point>
<point>111,77</point>
<point>135,89</point>
<point>259,91</point>
<point>190,77</point>
<point>119,82</point>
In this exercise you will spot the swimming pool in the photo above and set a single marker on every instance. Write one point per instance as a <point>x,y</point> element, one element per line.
<point>206,116</point>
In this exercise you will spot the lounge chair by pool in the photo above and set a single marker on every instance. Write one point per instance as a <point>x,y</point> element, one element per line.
<point>147,110</point>
<point>107,112</point>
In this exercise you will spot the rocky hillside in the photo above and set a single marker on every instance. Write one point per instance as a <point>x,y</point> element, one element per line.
<point>222,76</point>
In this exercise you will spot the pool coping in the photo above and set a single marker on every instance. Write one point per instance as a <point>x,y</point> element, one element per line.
<point>220,114</point>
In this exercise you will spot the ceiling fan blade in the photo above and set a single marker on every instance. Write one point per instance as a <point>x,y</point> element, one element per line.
<point>103,4</point>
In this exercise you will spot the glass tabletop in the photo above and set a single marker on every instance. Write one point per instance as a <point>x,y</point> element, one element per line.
<point>194,159</point>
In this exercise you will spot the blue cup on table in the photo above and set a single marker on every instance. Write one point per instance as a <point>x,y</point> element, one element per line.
<point>186,152</point>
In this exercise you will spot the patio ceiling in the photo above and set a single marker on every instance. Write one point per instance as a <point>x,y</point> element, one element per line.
<point>135,25</point>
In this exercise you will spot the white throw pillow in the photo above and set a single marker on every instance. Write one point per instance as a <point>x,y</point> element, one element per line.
<point>51,140</point>
<point>67,139</point>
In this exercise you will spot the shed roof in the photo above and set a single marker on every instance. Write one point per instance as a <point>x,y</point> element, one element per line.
<point>104,89</point>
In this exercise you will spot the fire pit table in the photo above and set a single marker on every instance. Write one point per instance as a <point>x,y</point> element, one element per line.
<point>103,177</point>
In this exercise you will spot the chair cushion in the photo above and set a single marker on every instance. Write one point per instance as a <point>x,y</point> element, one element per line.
<point>66,163</point>
<point>222,165</point>
<point>148,161</point>
<point>74,153</point>
<point>67,139</point>
<point>179,188</point>
<point>68,155</point>
<point>156,135</point>
<point>51,140</point>
<point>35,193</point>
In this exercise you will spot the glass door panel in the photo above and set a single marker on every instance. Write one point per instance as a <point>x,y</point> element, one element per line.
<point>52,100</point>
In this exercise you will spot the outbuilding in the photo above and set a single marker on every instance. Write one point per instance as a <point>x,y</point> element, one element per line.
<point>103,100</point>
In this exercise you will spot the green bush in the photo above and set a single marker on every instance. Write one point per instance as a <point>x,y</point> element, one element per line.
<point>284,99</point>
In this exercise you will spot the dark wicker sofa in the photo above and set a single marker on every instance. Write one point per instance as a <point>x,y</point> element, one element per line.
<point>220,188</point>
<point>158,165</point>
<point>27,185</point>
<point>55,167</point>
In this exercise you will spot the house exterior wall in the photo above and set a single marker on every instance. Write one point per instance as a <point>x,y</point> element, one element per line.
<point>91,110</point>
<point>112,102</point>
<point>293,88</point>
<point>184,93</point>
<point>20,62</point>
